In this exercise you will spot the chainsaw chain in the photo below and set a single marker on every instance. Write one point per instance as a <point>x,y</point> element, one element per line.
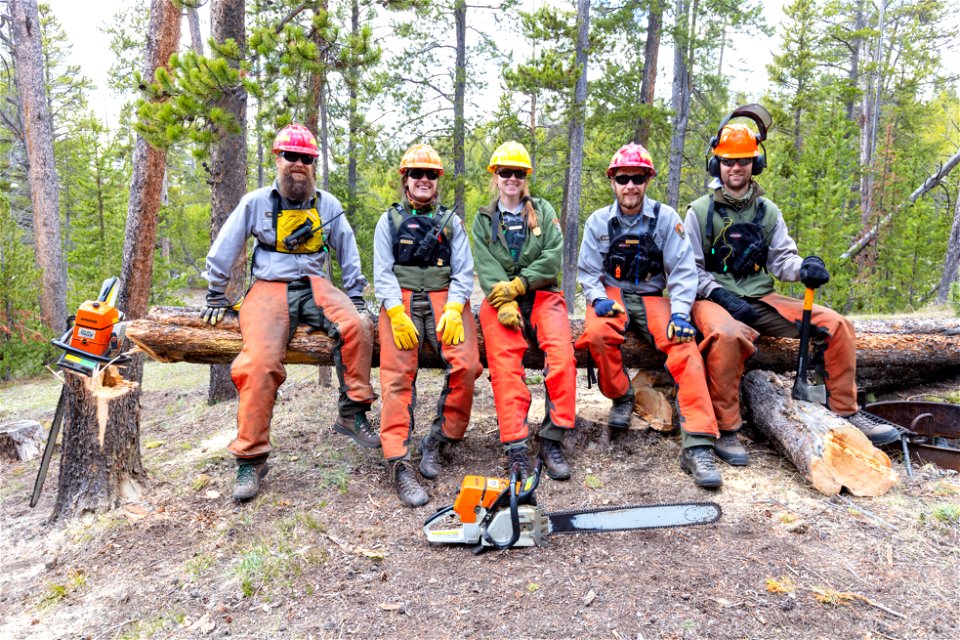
<point>577,512</point>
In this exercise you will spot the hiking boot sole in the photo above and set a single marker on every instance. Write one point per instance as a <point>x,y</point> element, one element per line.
<point>734,460</point>
<point>350,433</point>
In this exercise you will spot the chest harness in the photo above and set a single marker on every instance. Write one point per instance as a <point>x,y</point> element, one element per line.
<point>420,240</point>
<point>297,230</point>
<point>632,257</point>
<point>741,248</point>
<point>514,228</point>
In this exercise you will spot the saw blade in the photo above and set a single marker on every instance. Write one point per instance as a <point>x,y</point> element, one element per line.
<point>632,517</point>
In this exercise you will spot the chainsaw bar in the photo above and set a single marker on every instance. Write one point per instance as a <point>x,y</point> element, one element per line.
<point>630,518</point>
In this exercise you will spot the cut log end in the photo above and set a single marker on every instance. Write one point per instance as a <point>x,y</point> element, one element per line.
<point>20,440</point>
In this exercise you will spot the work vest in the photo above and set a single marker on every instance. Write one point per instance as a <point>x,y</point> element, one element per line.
<point>514,228</point>
<point>632,257</point>
<point>297,230</point>
<point>421,259</point>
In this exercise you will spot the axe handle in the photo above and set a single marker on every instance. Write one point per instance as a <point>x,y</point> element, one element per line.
<point>805,335</point>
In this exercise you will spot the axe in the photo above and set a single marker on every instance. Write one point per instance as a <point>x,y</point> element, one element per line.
<point>802,389</point>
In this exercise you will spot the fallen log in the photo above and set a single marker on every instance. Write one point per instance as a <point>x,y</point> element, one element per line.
<point>827,450</point>
<point>888,356</point>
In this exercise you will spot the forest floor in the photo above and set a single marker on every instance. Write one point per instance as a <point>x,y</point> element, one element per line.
<point>327,551</point>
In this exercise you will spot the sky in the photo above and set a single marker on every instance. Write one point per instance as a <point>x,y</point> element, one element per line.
<point>83,23</point>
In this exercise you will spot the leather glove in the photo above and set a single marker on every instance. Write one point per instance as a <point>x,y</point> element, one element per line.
<point>359,303</point>
<point>503,292</point>
<point>738,308</point>
<point>509,315</point>
<point>813,273</point>
<point>405,335</point>
<point>606,307</point>
<point>216,307</point>
<point>680,328</point>
<point>450,327</point>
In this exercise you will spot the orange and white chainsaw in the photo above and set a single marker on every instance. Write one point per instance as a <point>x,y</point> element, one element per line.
<point>499,513</point>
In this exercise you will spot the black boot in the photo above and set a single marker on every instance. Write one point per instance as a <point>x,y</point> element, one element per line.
<point>728,449</point>
<point>700,463</point>
<point>430,456</point>
<point>517,453</point>
<point>554,461</point>
<point>405,481</point>
<point>248,480</point>
<point>359,429</point>
<point>877,430</point>
<point>621,412</point>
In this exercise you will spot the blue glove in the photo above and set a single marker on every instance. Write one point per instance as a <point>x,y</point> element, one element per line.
<point>680,328</point>
<point>813,273</point>
<point>606,307</point>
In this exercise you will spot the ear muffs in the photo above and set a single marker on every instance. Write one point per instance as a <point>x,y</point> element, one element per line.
<point>760,162</point>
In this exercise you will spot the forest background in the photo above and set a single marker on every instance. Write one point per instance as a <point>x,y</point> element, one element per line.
<point>864,97</point>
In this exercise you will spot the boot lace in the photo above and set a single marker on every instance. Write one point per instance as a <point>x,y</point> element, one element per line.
<point>553,451</point>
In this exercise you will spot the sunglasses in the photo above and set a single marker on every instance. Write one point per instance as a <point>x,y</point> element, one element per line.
<point>506,174</point>
<point>729,162</point>
<point>429,174</point>
<point>637,178</point>
<point>293,156</point>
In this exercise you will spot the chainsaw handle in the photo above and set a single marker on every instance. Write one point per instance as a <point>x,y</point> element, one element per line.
<point>514,511</point>
<point>530,485</point>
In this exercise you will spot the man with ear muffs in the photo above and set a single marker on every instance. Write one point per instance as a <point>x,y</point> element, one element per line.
<point>741,243</point>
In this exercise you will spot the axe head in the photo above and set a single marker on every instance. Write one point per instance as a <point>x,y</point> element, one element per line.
<point>803,390</point>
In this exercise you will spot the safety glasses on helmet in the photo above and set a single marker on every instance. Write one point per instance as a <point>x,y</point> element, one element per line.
<point>729,162</point>
<point>506,174</point>
<point>418,174</point>
<point>293,156</point>
<point>636,178</point>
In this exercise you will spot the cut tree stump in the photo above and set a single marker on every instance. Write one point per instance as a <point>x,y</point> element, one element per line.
<point>827,450</point>
<point>100,464</point>
<point>20,440</point>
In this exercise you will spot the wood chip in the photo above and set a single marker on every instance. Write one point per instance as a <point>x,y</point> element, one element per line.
<point>589,598</point>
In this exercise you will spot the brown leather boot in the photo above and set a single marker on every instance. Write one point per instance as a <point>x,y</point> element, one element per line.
<point>405,481</point>
<point>358,429</point>
<point>430,449</point>
<point>554,460</point>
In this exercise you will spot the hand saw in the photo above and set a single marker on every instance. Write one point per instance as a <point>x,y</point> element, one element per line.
<point>498,513</point>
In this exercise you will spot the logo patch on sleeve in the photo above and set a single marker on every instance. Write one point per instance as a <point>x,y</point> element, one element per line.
<point>680,231</point>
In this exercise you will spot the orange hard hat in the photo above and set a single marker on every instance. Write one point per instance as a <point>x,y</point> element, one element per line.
<point>737,141</point>
<point>421,156</point>
<point>634,156</point>
<point>296,137</point>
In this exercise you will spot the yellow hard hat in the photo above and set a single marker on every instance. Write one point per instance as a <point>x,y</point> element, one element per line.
<point>421,156</point>
<point>510,154</point>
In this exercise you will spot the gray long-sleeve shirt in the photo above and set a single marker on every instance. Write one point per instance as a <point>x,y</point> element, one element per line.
<point>680,270</point>
<point>385,284</point>
<point>253,217</point>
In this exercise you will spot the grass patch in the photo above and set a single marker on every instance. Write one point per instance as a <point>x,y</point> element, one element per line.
<point>199,564</point>
<point>57,591</point>
<point>946,513</point>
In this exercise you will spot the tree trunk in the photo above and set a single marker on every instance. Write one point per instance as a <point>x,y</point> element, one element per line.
<point>680,101</point>
<point>571,205</point>
<point>826,449</point>
<point>353,82</point>
<point>648,84</point>
<point>100,463</point>
<point>196,39</point>
<point>459,115</point>
<point>316,114</point>
<point>228,169</point>
<point>41,171</point>
<point>952,258</point>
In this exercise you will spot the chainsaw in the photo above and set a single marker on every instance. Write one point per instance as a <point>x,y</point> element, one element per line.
<point>94,341</point>
<point>499,513</point>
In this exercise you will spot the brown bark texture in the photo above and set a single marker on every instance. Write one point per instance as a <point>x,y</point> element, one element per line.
<point>100,465</point>
<point>20,440</point>
<point>41,170</point>
<point>648,83</point>
<point>891,354</point>
<point>826,449</point>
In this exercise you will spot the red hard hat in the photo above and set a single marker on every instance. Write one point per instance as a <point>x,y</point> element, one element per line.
<point>296,137</point>
<point>631,155</point>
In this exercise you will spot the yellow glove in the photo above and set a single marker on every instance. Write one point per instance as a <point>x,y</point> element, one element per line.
<point>450,327</point>
<point>404,333</point>
<point>503,292</point>
<point>509,315</point>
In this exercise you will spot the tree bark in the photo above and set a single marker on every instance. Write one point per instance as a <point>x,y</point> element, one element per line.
<point>41,171</point>
<point>680,100</point>
<point>228,169</point>
<point>196,39</point>
<point>20,440</point>
<point>952,259</point>
<point>100,465</point>
<point>459,115</point>
<point>826,449</point>
<point>571,200</point>
<point>353,83</point>
<point>648,83</point>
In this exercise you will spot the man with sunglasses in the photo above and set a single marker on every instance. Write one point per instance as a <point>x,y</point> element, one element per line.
<point>631,251</point>
<point>294,223</point>
<point>741,243</point>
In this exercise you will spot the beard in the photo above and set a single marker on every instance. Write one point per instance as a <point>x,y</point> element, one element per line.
<point>297,187</point>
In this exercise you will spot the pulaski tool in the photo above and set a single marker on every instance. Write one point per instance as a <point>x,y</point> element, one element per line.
<point>94,340</point>
<point>802,389</point>
<point>499,513</point>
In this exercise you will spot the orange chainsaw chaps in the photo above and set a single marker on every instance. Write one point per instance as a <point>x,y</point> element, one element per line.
<point>477,491</point>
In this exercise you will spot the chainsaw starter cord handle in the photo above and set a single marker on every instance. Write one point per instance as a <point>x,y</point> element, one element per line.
<point>514,511</point>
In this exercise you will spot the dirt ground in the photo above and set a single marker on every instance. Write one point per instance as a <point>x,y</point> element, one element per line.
<point>327,551</point>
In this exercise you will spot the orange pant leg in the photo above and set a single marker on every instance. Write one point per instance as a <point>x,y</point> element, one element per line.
<point>725,348</point>
<point>463,367</point>
<point>840,356</point>
<point>505,348</point>
<point>603,337</point>
<point>550,321</point>
<point>258,369</point>
<point>398,371</point>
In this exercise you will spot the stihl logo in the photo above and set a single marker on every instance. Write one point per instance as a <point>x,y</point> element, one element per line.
<point>86,333</point>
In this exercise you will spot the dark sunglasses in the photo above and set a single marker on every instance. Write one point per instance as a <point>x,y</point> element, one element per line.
<point>293,156</point>
<point>729,162</point>
<point>429,174</point>
<point>637,178</point>
<point>506,174</point>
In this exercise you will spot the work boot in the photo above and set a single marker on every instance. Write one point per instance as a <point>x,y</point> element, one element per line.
<point>621,412</point>
<point>430,456</point>
<point>405,480</point>
<point>700,463</point>
<point>728,448</point>
<point>555,463</point>
<point>248,480</point>
<point>358,429</point>
<point>877,430</point>
<point>518,453</point>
